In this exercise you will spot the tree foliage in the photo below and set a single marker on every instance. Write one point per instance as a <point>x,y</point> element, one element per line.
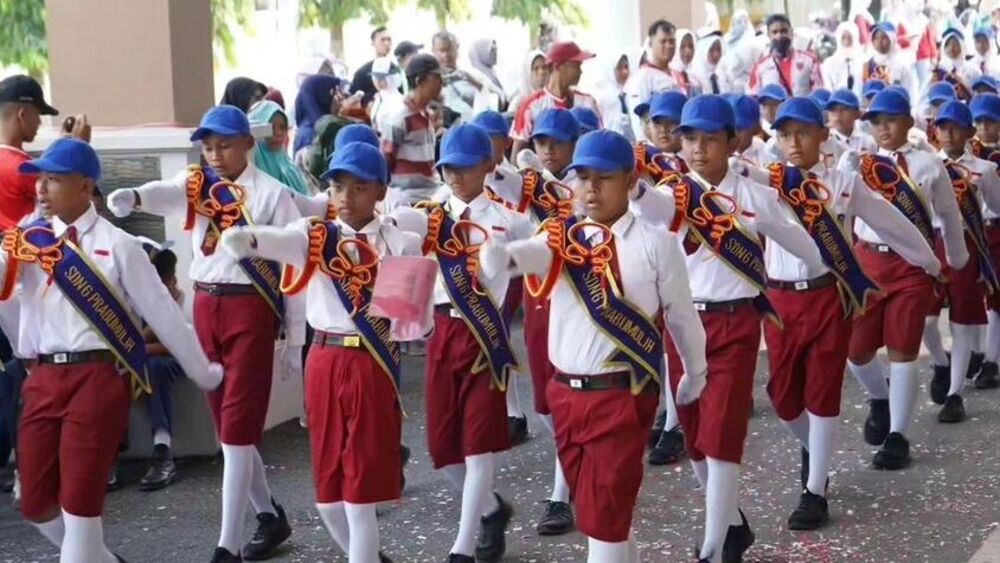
<point>22,41</point>
<point>226,15</point>
<point>447,10</point>
<point>334,13</point>
<point>534,12</point>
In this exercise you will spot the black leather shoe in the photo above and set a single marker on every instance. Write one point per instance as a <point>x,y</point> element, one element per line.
<point>877,423</point>
<point>459,558</point>
<point>492,529</point>
<point>222,555</point>
<point>975,364</point>
<point>518,426</point>
<point>557,520</point>
<point>271,532</point>
<point>669,448</point>
<point>894,455</point>
<point>940,382</point>
<point>811,513</point>
<point>804,470</point>
<point>654,434</point>
<point>989,376</point>
<point>738,540</point>
<point>953,410</point>
<point>161,472</point>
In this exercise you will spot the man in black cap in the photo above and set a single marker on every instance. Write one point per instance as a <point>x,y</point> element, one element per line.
<point>362,81</point>
<point>405,51</point>
<point>21,106</point>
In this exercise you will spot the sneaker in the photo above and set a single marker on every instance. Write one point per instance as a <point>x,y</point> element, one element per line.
<point>222,555</point>
<point>989,376</point>
<point>894,454</point>
<point>669,448</point>
<point>518,426</point>
<point>877,423</point>
<point>940,382</point>
<point>161,472</point>
<point>953,410</point>
<point>272,531</point>
<point>975,364</point>
<point>654,434</point>
<point>557,520</point>
<point>738,540</point>
<point>492,530</point>
<point>811,513</point>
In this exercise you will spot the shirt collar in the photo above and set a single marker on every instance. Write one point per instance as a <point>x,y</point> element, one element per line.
<point>905,148</point>
<point>83,223</point>
<point>371,228</point>
<point>727,185</point>
<point>457,206</point>
<point>248,176</point>
<point>618,228</point>
<point>944,156</point>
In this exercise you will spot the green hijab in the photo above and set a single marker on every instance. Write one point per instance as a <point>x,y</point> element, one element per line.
<point>276,163</point>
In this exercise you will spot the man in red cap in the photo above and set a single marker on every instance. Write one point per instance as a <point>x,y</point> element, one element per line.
<point>560,91</point>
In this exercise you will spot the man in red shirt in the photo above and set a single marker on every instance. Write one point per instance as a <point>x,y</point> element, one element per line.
<point>21,106</point>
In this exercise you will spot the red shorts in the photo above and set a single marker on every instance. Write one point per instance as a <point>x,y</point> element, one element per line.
<point>73,421</point>
<point>716,424</point>
<point>807,358</point>
<point>536,340</point>
<point>894,319</point>
<point>993,238</point>
<point>466,413</point>
<point>965,294</point>
<point>238,331</point>
<point>600,439</point>
<point>354,426</point>
<point>512,300</point>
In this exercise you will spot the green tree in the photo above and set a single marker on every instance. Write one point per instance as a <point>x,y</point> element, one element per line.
<point>333,14</point>
<point>22,42</point>
<point>447,10</point>
<point>227,15</point>
<point>534,13</point>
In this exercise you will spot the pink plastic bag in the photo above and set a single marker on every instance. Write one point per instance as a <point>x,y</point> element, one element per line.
<point>404,288</point>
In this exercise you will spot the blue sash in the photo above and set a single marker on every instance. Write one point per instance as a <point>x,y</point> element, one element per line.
<point>808,198</point>
<point>660,166</point>
<point>222,203</point>
<point>720,231</point>
<point>975,226</point>
<point>638,342</point>
<point>456,260</point>
<point>875,71</point>
<point>86,288</point>
<point>884,175</point>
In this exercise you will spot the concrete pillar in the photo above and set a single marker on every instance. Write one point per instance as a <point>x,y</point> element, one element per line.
<point>127,62</point>
<point>688,14</point>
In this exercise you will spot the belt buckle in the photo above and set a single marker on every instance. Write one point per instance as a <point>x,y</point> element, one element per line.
<point>576,383</point>
<point>60,358</point>
<point>352,341</point>
<point>454,313</point>
<point>883,248</point>
<point>801,285</point>
<point>700,306</point>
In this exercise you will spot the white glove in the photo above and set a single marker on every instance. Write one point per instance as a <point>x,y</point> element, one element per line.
<point>493,258</point>
<point>850,162</point>
<point>121,202</point>
<point>209,381</point>
<point>689,388</point>
<point>237,242</point>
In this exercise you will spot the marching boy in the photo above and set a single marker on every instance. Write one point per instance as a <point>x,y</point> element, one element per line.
<point>986,116</point>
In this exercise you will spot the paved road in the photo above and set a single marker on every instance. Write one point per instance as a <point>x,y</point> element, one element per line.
<point>941,509</point>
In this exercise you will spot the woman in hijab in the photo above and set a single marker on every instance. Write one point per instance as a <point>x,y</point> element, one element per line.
<point>611,92</point>
<point>740,51</point>
<point>271,153</point>
<point>534,77</point>
<point>887,63</point>
<point>985,58</point>
<point>952,66</point>
<point>316,98</point>
<point>243,93</point>
<point>681,64</point>
<point>483,58</point>
<point>713,77</point>
<point>842,69</point>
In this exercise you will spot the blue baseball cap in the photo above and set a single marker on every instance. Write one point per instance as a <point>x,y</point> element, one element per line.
<point>871,88</point>
<point>887,102</point>
<point>940,92</point>
<point>667,105</point>
<point>988,82</point>
<point>772,92</point>
<point>641,110</point>
<point>355,132</point>
<point>603,150</point>
<point>821,96</point>
<point>803,110</point>
<point>586,118</point>
<point>494,123</point>
<point>842,97</point>
<point>984,31</point>
<point>708,112</point>
<point>224,120</point>
<point>359,159</point>
<point>63,157</point>
<point>746,110</point>
<point>885,27</point>
<point>466,145</point>
<point>985,107</point>
<point>902,91</point>
<point>954,112</point>
<point>557,123</point>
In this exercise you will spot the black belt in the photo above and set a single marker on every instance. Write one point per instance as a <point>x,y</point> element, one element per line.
<point>601,382</point>
<point>880,248</point>
<point>448,310</point>
<point>722,306</point>
<point>217,289</point>
<point>324,339</point>
<point>806,285</point>
<point>66,358</point>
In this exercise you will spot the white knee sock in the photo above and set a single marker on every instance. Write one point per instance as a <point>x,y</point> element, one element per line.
<point>902,394</point>
<point>979,342</point>
<point>237,473</point>
<point>822,431</point>
<point>54,530</point>
<point>260,493</point>
<point>721,500</point>
<point>364,532</point>
<point>83,541</point>
<point>633,549</point>
<point>799,428</point>
<point>700,473</point>
<point>335,519</point>
<point>607,552</point>
<point>513,398</point>
<point>671,409</point>
<point>560,488</point>
<point>933,342</point>
<point>992,345</point>
<point>161,436</point>
<point>476,492</point>
<point>455,474</point>
<point>871,377</point>
<point>963,340</point>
